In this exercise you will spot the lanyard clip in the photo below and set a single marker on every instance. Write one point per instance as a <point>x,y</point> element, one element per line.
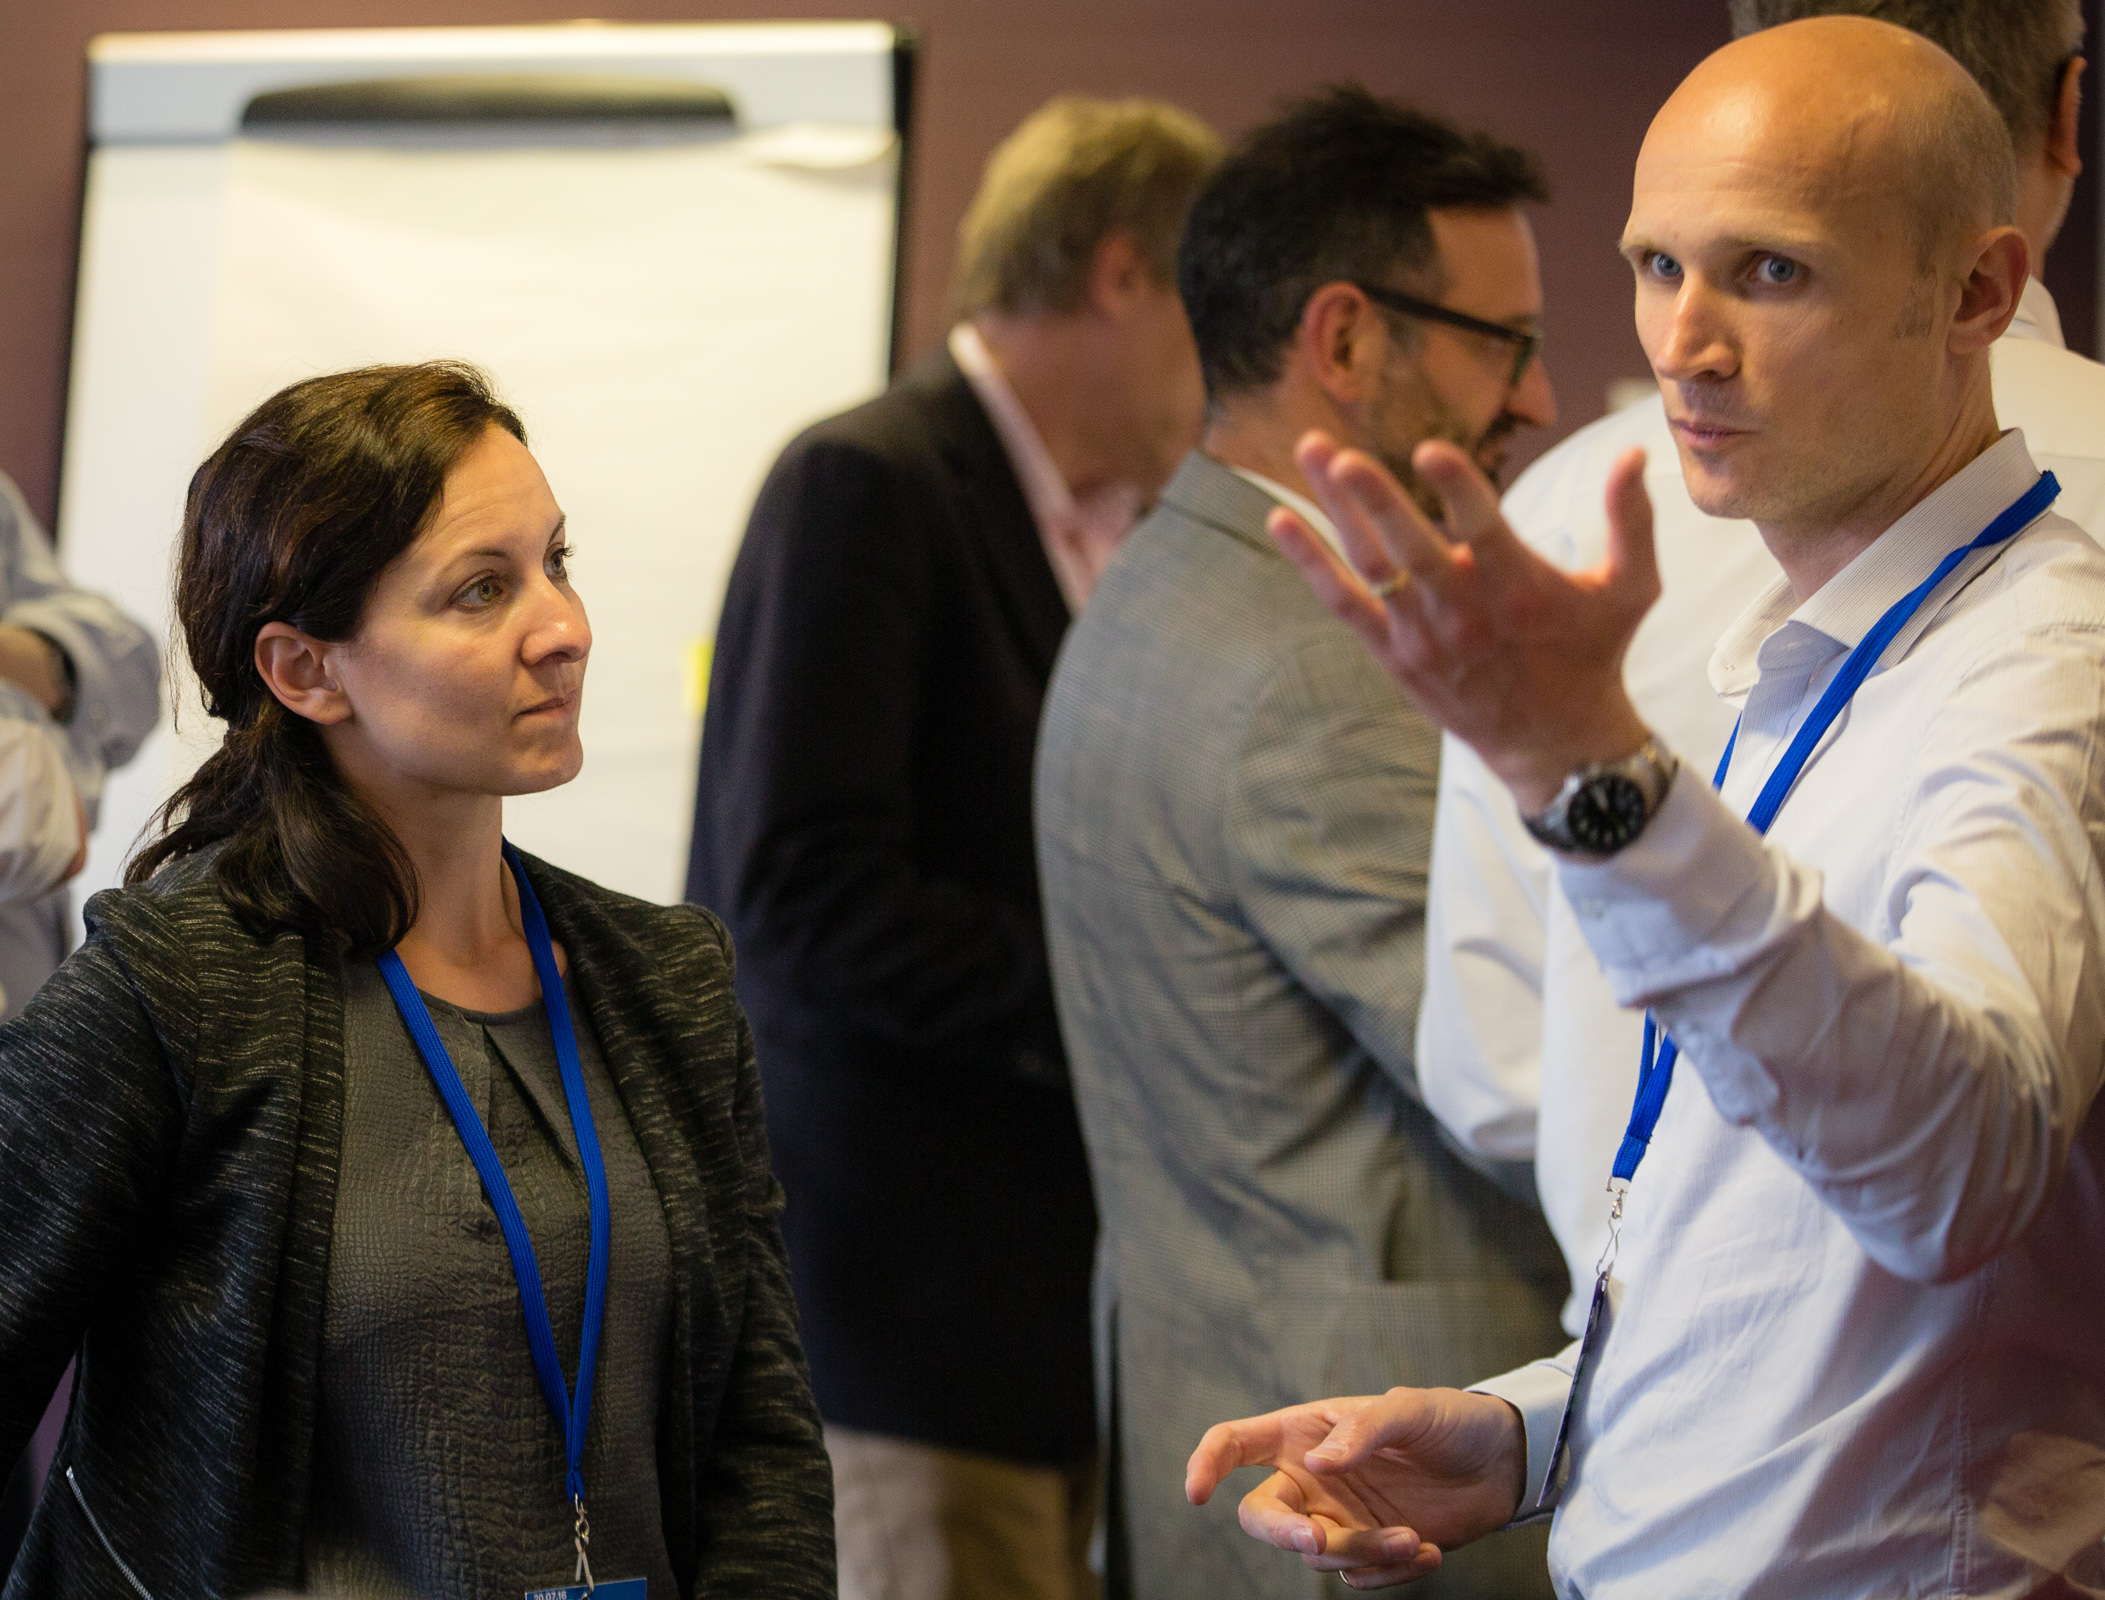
<point>1617,1188</point>
<point>582,1538</point>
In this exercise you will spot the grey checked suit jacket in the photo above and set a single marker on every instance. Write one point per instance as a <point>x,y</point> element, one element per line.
<point>1234,814</point>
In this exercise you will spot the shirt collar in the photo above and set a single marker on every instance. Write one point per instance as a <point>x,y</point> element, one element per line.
<point>2037,317</point>
<point>1772,634</point>
<point>1045,488</point>
<point>1295,501</point>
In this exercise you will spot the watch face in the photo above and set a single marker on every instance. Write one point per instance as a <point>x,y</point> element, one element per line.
<point>1606,814</point>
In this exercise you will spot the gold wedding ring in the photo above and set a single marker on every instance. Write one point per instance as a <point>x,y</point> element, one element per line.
<point>1389,585</point>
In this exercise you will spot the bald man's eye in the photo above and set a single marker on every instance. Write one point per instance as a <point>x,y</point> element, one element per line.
<point>1658,264</point>
<point>1776,271</point>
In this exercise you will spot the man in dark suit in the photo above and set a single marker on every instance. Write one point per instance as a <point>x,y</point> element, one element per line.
<point>862,821</point>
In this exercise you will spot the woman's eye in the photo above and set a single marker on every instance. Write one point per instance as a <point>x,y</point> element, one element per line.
<point>1775,270</point>
<point>559,561</point>
<point>482,592</point>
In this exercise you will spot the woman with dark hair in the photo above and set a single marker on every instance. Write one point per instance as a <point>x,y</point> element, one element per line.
<point>405,1200</point>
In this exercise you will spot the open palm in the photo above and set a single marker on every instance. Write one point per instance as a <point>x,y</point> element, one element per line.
<point>1373,1485</point>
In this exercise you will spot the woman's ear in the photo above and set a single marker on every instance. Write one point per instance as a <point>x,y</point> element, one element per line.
<point>296,667</point>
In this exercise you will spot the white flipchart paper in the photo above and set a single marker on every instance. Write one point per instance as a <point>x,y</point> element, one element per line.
<point>663,312</point>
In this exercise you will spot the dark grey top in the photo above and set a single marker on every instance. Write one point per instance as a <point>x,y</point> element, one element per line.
<point>440,1467</point>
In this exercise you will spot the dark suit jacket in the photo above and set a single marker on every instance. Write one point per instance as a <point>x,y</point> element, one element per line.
<point>171,1122</point>
<point>863,823</point>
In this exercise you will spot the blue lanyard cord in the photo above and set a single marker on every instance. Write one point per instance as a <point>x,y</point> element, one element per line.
<point>1655,1070</point>
<point>573,1414</point>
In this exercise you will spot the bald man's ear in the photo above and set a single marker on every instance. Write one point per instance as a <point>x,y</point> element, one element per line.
<point>296,668</point>
<point>2065,121</point>
<point>1992,290</point>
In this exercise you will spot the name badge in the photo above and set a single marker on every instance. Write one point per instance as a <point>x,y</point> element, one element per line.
<point>617,1589</point>
<point>1604,1299</point>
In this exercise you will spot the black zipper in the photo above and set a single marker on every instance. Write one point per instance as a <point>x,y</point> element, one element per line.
<point>108,1549</point>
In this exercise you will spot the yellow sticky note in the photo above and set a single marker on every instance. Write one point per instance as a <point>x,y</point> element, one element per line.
<point>699,655</point>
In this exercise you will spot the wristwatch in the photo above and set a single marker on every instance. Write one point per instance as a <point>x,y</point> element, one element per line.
<point>1605,805</point>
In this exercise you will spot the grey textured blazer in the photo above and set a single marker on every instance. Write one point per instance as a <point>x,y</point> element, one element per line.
<point>1234,811</point>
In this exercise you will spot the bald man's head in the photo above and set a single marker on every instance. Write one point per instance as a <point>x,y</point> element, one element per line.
<point>1863,106</point>
<point>1819,226</point>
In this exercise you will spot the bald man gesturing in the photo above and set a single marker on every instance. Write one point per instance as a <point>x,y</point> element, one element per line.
<point>1852,1339</point>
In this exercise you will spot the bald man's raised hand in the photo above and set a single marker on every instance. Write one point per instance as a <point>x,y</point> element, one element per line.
<point>1519,659</point>
<point>1373,1486</point>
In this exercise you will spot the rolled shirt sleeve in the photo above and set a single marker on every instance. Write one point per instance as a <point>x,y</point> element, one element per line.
<point>39,822</point>
<point>116,667</point>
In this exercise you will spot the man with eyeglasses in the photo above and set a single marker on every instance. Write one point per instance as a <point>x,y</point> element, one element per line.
<point>1235,917</point>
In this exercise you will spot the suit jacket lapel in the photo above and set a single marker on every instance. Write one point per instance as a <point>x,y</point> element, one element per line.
<point>1003,527</point>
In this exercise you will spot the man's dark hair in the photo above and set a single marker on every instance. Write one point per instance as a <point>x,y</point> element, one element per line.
<point>1336,187</point>
<point>2015,49</point>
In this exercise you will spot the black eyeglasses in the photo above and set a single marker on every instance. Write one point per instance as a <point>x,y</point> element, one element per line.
<point>1526,342</point>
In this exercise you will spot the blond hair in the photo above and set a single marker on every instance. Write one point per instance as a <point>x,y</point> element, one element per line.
<point>1076,172</point>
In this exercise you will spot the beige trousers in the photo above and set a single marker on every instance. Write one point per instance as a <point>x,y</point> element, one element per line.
<point>920,1522</point>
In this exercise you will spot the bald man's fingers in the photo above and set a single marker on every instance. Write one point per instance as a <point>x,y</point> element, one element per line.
<point>1276,1513</point>
<point>1349,1549</point>
<point>1381,529</point>
<point>1633,560</point>
<point>1344,591</point>
<point>1229,1446</point>
<point>1424,1565</point>
<point>1471,504</point>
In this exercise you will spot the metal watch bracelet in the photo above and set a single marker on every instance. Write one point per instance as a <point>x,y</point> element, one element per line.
<point>1605,805</point>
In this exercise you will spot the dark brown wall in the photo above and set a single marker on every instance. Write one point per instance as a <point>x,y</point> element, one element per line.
<point>2072,269</point>
<point>1577,83</point>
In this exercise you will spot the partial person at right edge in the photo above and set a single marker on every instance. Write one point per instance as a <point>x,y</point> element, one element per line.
<point>1519,1031</point>
<point>1234,813</point>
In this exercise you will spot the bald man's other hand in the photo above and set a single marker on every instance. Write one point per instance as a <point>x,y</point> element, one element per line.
<point>1373,1486</point>
<point>1520,660</point>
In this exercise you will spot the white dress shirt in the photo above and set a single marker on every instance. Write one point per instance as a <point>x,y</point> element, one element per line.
<point>1861,1319</point>
<point>39,820</point>
<point>1298,502</point>
<point>1519,1029</point>
<point>1080,535</point>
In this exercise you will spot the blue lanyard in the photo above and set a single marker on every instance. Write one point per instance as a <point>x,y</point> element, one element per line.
<point>1655,1072</point>
<point>572,1415</point>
